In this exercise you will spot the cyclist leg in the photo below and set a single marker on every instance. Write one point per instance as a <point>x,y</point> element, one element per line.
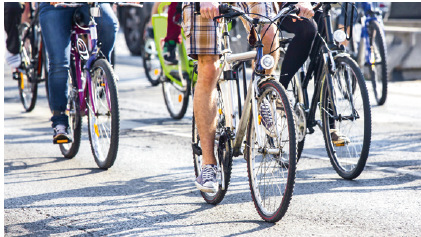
<point>203,43</point>
<point>56,28</point>
<point>173,36</point>
<point>12,19</point>
<point>304,31</point>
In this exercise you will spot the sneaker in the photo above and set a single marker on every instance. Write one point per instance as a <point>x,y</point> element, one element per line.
<point>170,57</point>
<point>338,139</point>
<point>60,135</point>
<point>13,60</point>
<point>206,182</point>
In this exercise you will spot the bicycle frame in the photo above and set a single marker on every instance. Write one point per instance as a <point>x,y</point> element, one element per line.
<point>226,85</point>
<point>76,44</point>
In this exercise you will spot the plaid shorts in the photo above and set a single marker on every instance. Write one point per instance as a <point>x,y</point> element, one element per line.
<point>203,36</point>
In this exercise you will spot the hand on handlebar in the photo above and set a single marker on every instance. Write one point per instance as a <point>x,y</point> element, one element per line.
<point>209,10</point>
<point>306,9</point>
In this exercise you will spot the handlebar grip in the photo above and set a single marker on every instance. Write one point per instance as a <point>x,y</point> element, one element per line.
<point>295,9</point>
<point>224,8</point>
<point>197,8</point>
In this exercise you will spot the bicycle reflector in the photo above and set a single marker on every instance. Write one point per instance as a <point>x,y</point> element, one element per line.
<point>339,36</point>
<point>267,61</point>
<point>82,49</point>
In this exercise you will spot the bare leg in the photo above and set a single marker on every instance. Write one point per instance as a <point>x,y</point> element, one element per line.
<point>205,105</point>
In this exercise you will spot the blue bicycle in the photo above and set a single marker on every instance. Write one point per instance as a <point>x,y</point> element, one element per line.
<point>369,49</point>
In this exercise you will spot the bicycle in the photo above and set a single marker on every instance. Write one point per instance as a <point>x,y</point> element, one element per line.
<point>369,49</point>
<point>92,91</point>
<point>34,67</point>
<point>175,79</point>
<point>341,94</point>
<point>270,147</point>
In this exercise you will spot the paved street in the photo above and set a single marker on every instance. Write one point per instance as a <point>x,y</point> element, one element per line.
<point>150,189</point>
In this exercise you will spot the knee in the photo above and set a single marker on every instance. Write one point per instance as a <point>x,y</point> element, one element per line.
<point>208,69</point>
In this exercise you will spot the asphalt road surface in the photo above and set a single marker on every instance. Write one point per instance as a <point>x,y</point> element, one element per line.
<point>150,189</point>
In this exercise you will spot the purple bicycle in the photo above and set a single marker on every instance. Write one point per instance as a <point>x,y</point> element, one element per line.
<point>92,91</point>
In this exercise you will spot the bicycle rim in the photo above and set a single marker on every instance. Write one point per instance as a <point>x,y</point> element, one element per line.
<point>176,97</point>
<point>347,158</point>
<point>28,86</point>
<point>103,123</point>
<point>69,150</point>
<point>272,176</point>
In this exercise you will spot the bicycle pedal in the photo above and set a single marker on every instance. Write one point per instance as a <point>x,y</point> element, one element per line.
<point>196,149</point>
<point>16,75</point>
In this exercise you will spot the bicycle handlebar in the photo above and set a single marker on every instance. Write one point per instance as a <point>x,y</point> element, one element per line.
<point>230,12</point>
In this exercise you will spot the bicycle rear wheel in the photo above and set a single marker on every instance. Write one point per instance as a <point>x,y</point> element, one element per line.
<point>378,71</point>
<point>348,158</point>
<point>223,154</point>
<point>150,58</point>
<point>70,150</point>
<point>176,96</point>
<point>28,84</point>
<point>271,168</point>
<point>103,114</point>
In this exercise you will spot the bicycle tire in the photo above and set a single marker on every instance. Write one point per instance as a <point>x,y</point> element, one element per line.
<point>280,171</point>
<point>378,43</point>
<point>70,150</point>
<point>27,83</point>
<point>45,68</point>
<point>176,97</point>
<point>152,73</point>
<point>214,198</point>
<point>339,154</point>
<point>108,131</point>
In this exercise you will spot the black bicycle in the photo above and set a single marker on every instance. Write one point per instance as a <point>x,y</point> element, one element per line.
<point>34,67</point>
<point>341,95</point>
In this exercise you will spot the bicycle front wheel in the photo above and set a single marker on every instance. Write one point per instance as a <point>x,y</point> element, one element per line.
<point>176,95</point>
<point>28,84</point>
<point>103,114</point>
<point>347,135</point>
<point>70,150</point>
<point>378,66</point>
<point>271,168</point>
<point>223,154</point>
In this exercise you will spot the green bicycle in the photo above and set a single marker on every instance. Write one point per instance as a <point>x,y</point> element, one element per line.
<point>176,79</point>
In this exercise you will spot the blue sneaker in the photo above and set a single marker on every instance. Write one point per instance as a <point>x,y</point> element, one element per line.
<point>206,182</point>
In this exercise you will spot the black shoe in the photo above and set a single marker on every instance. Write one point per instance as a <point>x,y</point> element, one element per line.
<point>60,135</point>
<point>170,58</point>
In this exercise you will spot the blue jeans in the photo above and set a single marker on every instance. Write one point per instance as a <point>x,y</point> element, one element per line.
<point>56,25</point>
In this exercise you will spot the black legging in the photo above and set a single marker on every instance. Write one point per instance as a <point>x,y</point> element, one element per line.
<point>12,16</point>
<point>299,48</point>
